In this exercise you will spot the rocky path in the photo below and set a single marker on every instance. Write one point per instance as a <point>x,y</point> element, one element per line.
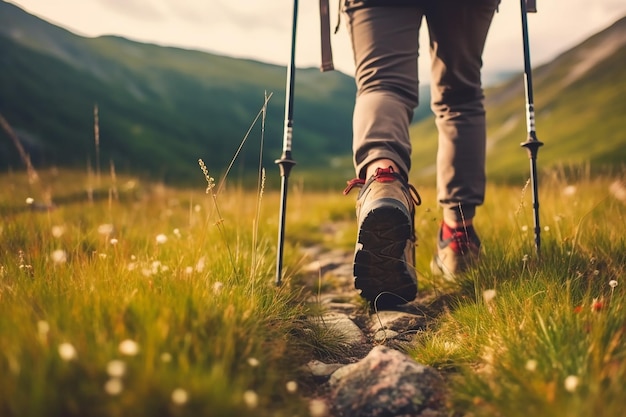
<point>368,372</point>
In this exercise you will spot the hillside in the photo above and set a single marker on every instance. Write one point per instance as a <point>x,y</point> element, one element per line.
<point>160,108</point>
<point>579,105</point>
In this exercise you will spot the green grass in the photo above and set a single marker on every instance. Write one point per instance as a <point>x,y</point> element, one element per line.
<point>208,320</point>
<point>200,305</point>
<point>553,319</point>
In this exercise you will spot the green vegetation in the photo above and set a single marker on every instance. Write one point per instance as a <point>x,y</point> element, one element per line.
<point>579,114</point>
<point>187,279</point>
<point>126,296</point>
<point>143,267</point>
<point>162,108</point>
<point>159,108</point>
<point>541,336</point>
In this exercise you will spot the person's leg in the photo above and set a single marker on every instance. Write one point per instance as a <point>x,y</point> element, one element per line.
<point>385,47</point>
<point>385,44</point>
<point>458,30</point>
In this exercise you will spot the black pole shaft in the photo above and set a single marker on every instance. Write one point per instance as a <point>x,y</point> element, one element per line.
<point>286,162</point>
<point>531,144</point>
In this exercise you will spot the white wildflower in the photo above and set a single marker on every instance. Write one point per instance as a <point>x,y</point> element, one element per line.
<point>177,232</point>
<point>531,365</point>
<point>569,190</point>
<point>291,386</point>
<point>612,283</point>
<point>105,229</point>
<point>571,383</point>
<point>156,267</point>
<point>67,352</point>
<point>102,255</point>
<point>318,408</point>
<point>113,241</point>
<point>116,368</point>
<point>217,287</point>
<point>114,386</point>
<point>489,295</point>
<point>253,362</point>
<point>524,228</point>
<point>251,399</point>
<point>200,265</point>
<point>166,357</point>
<point>197,208</point>
<point>59,256</point>
<point>30,200</point>
<point>189,270</point>
<point>180,396</point>
<point>129,347</point>
<point>43,328</point>
<point>161,238</point>
<point>57,231</point>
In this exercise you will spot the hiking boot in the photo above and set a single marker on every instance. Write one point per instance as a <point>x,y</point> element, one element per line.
<point>457,251</point>
<point>384,257</point>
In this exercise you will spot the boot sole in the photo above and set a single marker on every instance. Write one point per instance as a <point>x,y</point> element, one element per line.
<point>380,271</point>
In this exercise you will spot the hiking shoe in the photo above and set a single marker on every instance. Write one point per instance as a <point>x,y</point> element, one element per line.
<point>384,257</point>
<point>457,251</point>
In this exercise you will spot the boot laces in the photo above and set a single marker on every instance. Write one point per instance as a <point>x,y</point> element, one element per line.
<point>384,175</point>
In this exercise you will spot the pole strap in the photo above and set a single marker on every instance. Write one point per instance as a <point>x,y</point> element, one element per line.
<point>531,6</point>
<point>327,51</point>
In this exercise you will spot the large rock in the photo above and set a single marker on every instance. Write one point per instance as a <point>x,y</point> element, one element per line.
<point>388,383</point>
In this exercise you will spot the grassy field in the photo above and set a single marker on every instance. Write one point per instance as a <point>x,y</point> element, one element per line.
<point>132,298</point>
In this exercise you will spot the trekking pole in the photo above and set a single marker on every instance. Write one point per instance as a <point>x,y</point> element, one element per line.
<point>285,162</point>
<point>531,144</point>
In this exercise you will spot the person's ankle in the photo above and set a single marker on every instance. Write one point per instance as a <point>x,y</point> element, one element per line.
<point>380,163</point>
<point>453,224</point>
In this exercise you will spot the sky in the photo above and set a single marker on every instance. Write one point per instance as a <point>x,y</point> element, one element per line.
<point>261,29</point>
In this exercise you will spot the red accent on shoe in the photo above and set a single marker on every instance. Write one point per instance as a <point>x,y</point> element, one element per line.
<point>457,238</point>
<point>384,175</point>
<point>356,182</point>
<point>381,175</point>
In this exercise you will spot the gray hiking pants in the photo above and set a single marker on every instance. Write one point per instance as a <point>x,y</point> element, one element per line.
<point>385,45</point>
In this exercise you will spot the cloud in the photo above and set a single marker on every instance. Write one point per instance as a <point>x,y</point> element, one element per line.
<point>262,29</point>
<point>151,10</point>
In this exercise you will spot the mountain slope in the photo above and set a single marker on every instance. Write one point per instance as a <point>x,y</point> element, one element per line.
<point>160,109</point>
<point>579,105</point>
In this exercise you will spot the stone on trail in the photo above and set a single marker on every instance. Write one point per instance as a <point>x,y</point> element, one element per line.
<point>346,330</point>
<point>388,383</point>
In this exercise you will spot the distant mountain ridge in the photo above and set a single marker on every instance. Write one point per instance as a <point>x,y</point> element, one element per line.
<point>162,108</point>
